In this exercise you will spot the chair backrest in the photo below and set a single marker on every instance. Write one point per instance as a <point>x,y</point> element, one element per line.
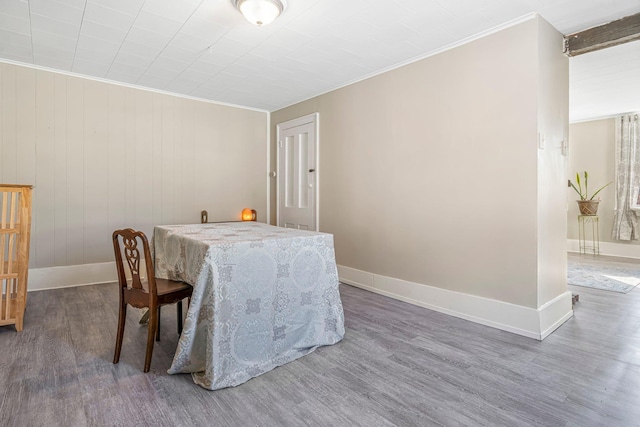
<point>131,240</point>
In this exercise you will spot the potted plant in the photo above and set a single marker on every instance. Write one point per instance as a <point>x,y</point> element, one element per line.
<point>586,204</point>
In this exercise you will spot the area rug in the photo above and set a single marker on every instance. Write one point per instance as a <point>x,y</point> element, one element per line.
<point>608,278</point>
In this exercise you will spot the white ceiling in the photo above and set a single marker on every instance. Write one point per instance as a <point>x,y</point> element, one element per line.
<point>605,83</point>
<point>205,48</point>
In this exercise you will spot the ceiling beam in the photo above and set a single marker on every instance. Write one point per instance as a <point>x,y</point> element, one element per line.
<point>614,33</point>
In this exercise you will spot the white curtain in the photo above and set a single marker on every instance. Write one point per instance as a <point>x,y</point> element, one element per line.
<point>625,224</point>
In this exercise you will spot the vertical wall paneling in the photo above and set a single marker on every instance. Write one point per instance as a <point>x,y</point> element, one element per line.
<point>117,152</point>
<point>224,162</point>
<point>60,171</point>
<point>8,105</point>
<point>103,157</point>
<point>200,145</point>
<point>169,162</point>
<point>96,169</point>
<point>129,159</point>
<point>26,126</point>
<point>156,158</point>
<point>190,206</point>
<point>143,179</point>
<point>221,160</point>
<point>44,222</point>
<point>26,140</point>
<point>75,172</point>
<point>177,162</point>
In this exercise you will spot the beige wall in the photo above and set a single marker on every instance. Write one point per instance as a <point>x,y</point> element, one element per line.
<point>553,128</point>
<point>429,173</point>
<point>592,149</point>
<point>103,156</point>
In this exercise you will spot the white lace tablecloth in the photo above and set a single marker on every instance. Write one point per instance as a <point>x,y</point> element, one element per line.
<point>262,297</point>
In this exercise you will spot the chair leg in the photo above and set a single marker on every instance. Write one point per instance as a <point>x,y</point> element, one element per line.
<point>158,329</point>
<point>179,309</point>
<point>122,317</point>
<point>153,327</point>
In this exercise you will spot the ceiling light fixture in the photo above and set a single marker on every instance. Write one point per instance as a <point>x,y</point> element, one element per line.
<point>260,12</point>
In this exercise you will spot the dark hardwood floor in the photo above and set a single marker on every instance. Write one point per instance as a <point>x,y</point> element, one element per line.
<point>398,365</point>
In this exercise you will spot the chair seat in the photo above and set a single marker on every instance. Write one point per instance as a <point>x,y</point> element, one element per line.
<point>166,286</point>
<point>171,291</point>
<point>167,289</point>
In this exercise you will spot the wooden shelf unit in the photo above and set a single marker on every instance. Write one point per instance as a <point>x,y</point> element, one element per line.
<point>15,231</point>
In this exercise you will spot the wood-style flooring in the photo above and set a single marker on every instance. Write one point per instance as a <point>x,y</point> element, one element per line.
<point>399,365</point>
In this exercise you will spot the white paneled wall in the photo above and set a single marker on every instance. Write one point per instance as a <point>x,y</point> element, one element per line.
<point>103,156</point>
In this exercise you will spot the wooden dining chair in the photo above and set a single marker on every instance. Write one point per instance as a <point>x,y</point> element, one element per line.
<point>151,293</point>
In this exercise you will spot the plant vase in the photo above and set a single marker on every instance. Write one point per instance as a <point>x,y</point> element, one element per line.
<point>588,207</point>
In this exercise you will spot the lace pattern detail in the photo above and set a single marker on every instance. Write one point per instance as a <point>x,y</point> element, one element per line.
<point>263,296</point>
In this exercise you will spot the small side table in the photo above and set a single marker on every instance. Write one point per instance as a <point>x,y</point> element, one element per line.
<point>588,234</point>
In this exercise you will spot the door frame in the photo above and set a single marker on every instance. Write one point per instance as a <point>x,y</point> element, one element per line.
<point>314,119</point>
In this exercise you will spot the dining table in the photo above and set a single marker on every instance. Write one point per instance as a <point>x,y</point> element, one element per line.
<point>263,296</point>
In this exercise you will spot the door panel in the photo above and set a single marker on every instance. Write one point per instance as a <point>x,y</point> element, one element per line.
<point>297,176</point>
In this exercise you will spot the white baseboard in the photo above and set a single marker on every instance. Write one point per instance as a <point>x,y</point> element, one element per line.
<point>525,321</point>
<point>623,250</point>
<point>73,275</point>
<point>554,313</point>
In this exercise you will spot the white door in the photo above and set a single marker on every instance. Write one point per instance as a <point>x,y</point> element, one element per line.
<point>297,173</point>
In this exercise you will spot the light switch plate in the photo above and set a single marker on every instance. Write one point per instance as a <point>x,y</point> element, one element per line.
<point>540,141</point>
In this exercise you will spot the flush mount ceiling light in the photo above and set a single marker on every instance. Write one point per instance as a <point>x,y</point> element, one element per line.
<point>260,12</point>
